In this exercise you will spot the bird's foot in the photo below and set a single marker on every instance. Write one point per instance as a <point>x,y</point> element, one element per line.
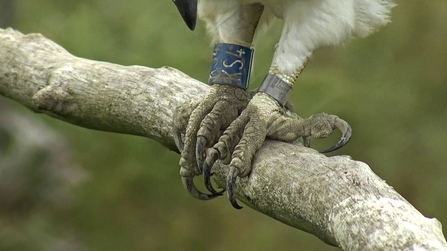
<point>262,118</point>
<point>318,126</point>
<point>231,126</point>
<point>198,126</point>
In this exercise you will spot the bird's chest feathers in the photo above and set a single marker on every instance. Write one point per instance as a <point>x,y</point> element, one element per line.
<point>276,7</point>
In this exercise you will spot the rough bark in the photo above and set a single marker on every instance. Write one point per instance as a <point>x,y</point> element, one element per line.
<point>339,200</point>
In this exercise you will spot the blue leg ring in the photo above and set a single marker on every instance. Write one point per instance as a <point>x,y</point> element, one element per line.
<point>231,65</point>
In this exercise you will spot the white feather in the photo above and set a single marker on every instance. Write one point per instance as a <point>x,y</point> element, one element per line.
<point>308,24</point>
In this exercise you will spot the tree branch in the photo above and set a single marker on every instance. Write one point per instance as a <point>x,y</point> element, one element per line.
<point>339,200</point>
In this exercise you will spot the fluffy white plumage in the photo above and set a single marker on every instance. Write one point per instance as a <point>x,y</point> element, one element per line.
<point>308,24</point>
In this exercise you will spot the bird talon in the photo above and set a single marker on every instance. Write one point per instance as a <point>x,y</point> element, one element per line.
<point>200,153</point>
<point>178,140</point>
<point>231,181</point>
<point>346,132</point>
<point>306,141</point>
<point>209,162</point>
<point>188,183</point>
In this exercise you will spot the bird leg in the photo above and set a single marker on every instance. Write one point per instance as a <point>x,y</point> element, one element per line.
<point>229,76</point>
<point>230,124</point>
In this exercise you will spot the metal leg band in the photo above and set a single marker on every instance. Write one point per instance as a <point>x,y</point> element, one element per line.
<point>276,88</point>
<point>231,65</point>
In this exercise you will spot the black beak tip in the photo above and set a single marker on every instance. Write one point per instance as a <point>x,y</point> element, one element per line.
<point>188,11</point>
<point>191,25</point>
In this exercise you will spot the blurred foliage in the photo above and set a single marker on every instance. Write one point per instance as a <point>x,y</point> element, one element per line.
<point>120,192</point>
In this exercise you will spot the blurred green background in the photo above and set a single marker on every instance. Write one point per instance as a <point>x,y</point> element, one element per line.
<point>63,187</point>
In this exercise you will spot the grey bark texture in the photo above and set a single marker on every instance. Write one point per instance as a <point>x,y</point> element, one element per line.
<point>337,199</point>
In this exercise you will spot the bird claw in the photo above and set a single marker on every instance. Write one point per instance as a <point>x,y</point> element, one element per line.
<point>231,181</point>
<point>206,172</point>
<point>178,140</point>
<point>200,152</point>
<point>306,141</point>
<point>188,183</point>
<point>345,130</point>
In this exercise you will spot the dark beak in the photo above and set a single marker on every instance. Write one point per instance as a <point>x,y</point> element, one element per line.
<point>188,10</point>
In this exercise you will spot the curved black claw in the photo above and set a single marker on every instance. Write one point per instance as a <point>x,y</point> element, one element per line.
<point>346,133</point>
<point>200,151</point>
<point>188,183</point>
<point>231,180</point>
<point>178,140</point>
<point>209,162</point>
<point>306,141</point>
